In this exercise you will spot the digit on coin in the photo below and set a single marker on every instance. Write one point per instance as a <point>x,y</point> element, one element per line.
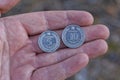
<point>73,36</point>
<point>49,41</point>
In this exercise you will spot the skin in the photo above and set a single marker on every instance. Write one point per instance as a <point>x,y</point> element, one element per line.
<point>20,56</point>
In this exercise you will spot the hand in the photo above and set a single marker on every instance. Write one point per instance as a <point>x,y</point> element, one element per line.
<point>21,59</point>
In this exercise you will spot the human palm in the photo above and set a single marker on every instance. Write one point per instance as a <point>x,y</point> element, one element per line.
<point>21,58</point>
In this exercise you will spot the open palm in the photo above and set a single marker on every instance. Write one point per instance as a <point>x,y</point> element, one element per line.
<point>21,58</point>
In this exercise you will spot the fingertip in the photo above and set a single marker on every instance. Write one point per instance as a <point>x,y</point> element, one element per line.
<point>104,47</point>
<point>88,16</point>
<point>83,18</point>
<point>105,33</point>
<point>95,48</point>
<point>83,58</point>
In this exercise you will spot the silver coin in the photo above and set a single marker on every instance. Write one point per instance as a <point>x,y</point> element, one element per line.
<point>73,36</point>
<point>49,41</point>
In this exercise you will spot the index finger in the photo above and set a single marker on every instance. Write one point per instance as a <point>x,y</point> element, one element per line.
<point>37,22</point>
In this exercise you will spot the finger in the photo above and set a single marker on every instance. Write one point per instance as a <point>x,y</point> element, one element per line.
<point>6,5</point>
<point>95,49</point>
<point>37,22</point>
<point>92,33</point>
<point>2,32</point>
<point>90,49</point>
<point>63,69</point>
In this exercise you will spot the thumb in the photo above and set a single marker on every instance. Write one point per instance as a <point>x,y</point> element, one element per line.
<point>6,5</point>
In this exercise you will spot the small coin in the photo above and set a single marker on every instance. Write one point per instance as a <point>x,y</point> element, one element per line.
<point>73,36</point>
<point>49,41</point>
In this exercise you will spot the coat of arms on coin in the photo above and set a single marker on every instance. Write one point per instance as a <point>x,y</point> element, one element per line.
<point>49,41</point>
<point>73,36</point>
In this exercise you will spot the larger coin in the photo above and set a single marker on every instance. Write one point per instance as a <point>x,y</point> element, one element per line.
<point>49,41</point>
<point>73,36</point>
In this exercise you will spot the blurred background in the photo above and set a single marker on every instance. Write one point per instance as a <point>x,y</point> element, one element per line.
<point>104,11</point>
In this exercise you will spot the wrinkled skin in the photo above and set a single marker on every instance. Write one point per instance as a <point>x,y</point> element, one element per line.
<point>21,58</point>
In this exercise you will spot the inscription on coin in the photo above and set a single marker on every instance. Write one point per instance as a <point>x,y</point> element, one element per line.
<point>73,36</point>
<point>49,41</point>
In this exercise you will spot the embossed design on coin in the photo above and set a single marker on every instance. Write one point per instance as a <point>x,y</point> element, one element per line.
<point>73,36</point>
<point>49,41</point>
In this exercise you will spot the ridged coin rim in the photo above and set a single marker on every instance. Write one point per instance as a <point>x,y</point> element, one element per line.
<point>82,36</point>
<point>40,44</point>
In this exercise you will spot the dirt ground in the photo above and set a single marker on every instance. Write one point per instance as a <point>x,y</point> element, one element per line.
<point>106,12</point>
